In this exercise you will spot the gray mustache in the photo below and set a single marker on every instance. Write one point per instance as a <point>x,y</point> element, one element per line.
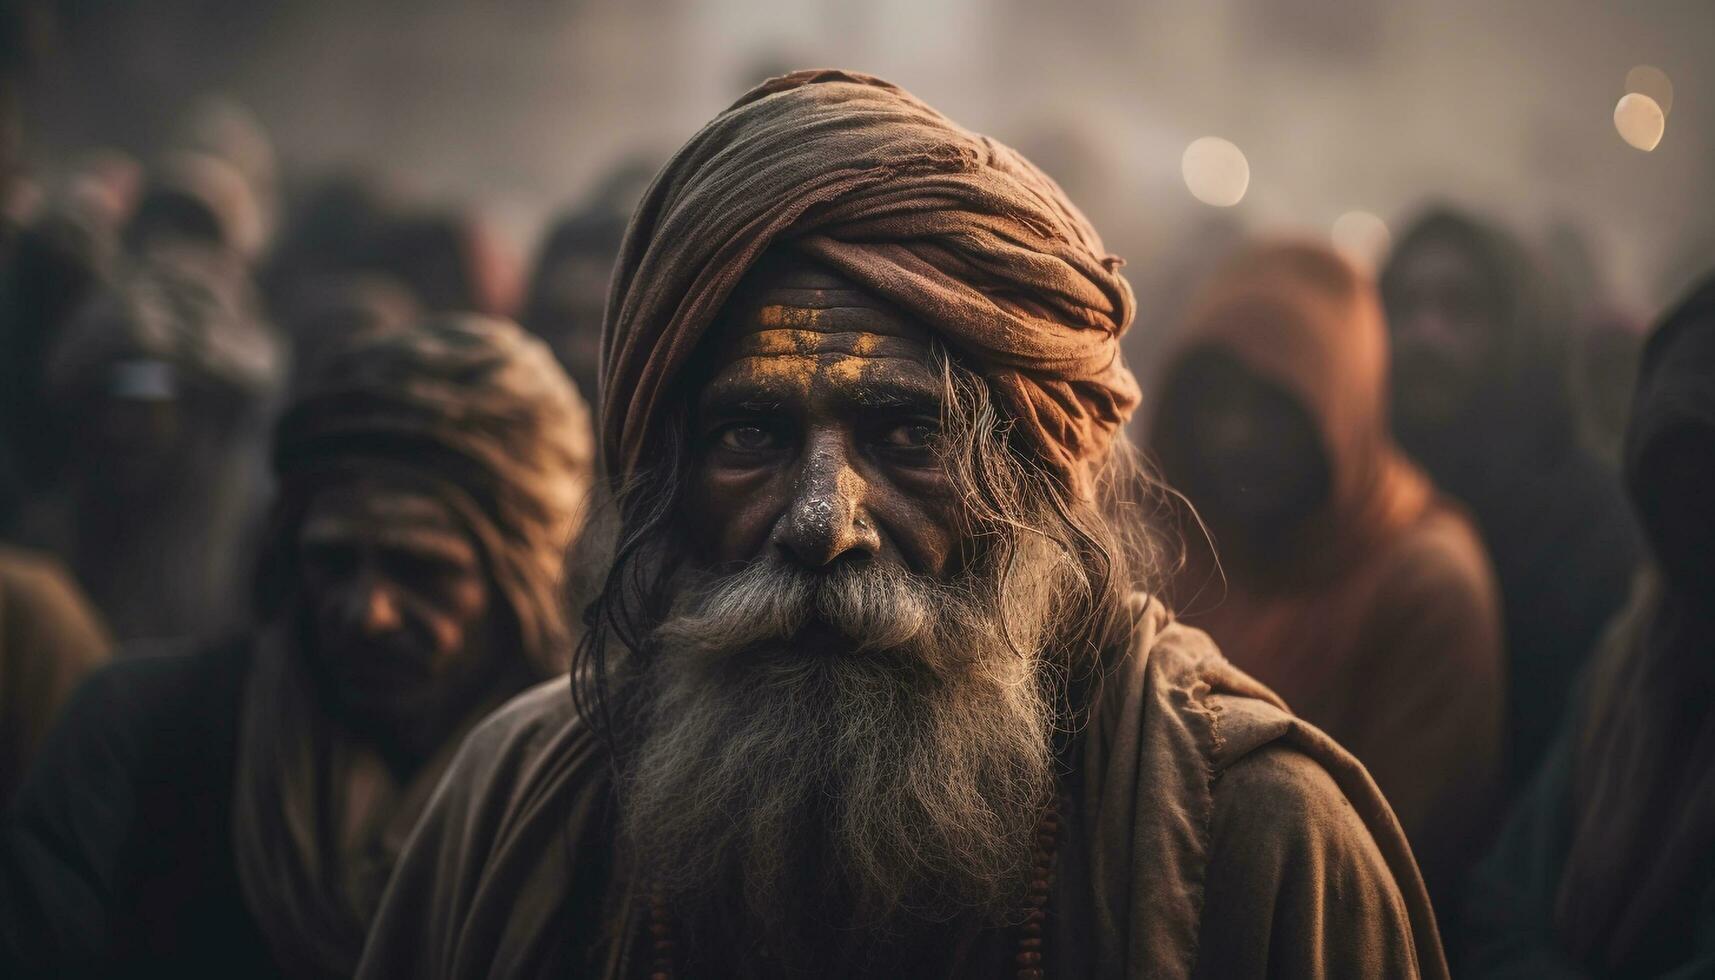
<point>873,605</point>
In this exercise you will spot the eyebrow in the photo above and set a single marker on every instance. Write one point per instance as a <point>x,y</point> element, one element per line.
<point>747,397</point>
<point>908,395</point>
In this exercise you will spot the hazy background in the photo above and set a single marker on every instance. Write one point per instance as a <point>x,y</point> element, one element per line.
<point>519,106</point>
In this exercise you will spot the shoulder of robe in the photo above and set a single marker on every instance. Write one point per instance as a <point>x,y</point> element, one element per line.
<point>1185,674</point>
<point>523,724</point>
<point>1284,798</point>
<point>1279,806</point>
<point>531,749</point>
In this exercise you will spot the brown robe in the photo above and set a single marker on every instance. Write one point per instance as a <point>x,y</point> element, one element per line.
<point>1208,833</point>
<point>1378,619</point>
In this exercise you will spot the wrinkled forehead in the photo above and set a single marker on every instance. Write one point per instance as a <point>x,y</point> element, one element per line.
<point>792,327</point>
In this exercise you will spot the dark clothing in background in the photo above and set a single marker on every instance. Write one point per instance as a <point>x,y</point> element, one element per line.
<point>1608,867</point>
<point>117,857</point>
<point>50,638</point>
<point>1374,614</point>
<point>1552,517</point>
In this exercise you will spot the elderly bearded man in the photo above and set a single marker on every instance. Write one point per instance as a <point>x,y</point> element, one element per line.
<point>235,809</point>
<point>873,692</point>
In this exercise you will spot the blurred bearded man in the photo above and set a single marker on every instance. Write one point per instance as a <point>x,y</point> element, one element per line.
<point>871,689</point>
<point>235,809</point>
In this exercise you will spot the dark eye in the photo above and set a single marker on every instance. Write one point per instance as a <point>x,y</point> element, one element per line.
<point>745,439</point>
<point>909,437</point>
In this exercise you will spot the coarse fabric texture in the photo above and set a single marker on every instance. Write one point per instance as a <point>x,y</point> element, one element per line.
<point>954,228</point>
<point>1377,619</point>
<point>480,412</point>
<point>1208,833</point>
<point>1606,867</point>
<point>50,638</point>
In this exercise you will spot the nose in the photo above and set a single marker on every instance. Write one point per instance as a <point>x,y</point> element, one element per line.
<point>826,518</point>
<point>376,608</point>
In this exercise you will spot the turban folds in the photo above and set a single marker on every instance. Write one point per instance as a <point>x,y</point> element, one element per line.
<point>954,228</point>
<point>478,407</point>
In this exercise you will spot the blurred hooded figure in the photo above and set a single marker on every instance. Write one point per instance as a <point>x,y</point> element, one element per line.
<point>165,379</point>
<point>568,287</point>
<point>1481,398</point>
<point>1352,589</point>
<point>1606,868</point>
<point>233,808</point>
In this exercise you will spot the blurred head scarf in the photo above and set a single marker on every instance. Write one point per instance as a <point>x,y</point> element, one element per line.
<point>1374,613</point>
<point>1643,794</point>
<point>951,227</point>
<point>1301,318</point>
<point>478,411</point>
<point>475,406</point>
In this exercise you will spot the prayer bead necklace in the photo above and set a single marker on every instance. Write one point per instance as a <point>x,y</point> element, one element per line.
<point>1028,957</point>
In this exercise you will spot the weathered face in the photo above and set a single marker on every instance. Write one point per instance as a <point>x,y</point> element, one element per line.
<point>1444,319</point>
<point>815,434</point>
<point>831,641</point>
<point>396,601</point>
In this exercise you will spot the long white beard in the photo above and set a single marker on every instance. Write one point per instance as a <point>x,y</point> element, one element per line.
<point>849,750</point>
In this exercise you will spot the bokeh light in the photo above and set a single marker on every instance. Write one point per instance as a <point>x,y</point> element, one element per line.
<point>1361,237</point>
<point>1216,171</point>
<point>1640,121</point>
<point>1653,82</point>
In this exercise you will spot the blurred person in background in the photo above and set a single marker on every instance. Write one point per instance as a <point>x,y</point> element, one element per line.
<point>164,380</point>
<point>568,285</point>
<point>1482,400</point>
<point>1350,587</point>
<point>196,199</point>
<point>452,261</point>
<point>872,686</point>
<point>330,310</point>
<point>1607,867</point>
<point>327,232</point>
<point>232,807</point>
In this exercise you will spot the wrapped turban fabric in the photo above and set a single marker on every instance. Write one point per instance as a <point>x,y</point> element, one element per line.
<point>952,227</point>
<point>479,412</point>
<point>479,408</point>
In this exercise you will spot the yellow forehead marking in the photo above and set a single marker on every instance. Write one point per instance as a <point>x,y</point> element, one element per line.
<point>779,316</point>
<point>798,357</point>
